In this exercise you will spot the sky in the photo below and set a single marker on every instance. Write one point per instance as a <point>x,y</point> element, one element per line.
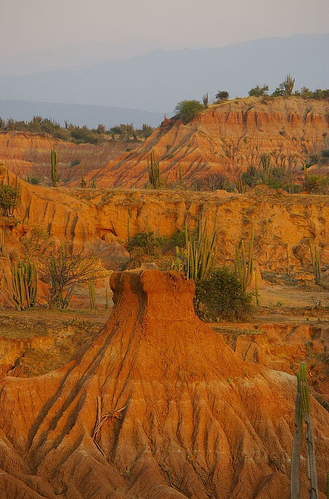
<point>27,25</point>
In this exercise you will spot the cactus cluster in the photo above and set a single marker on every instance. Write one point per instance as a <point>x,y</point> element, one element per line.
<point>21,290</point>
<point>303,413</point>
<point>240,185</point>
<point>54,167</point>
<point>200,254</point>
<point>153,168</point>
<point>244,264</point>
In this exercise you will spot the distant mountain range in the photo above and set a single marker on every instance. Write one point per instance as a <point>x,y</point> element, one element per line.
<point>157,80</point>
<point>78,114</point>
<point>73,57</point>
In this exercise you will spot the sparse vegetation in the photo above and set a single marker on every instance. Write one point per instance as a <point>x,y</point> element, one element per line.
<point>212,182</point>
<point>221,297</point>
<point>21,289</point>
<point>222,95</point>
<point>259,91</point>
<point>286,87</point>
<point>145,242</point>
<point>153,168</point>
<point>63,270</point>
<point>9,199</point>
<point>244,263</point>
<point>187,110</point>
<point>54,167</point>
<point>75,133</point>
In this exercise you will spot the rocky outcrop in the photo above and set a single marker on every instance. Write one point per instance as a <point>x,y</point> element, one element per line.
<point>157,406</point>
<point>227,138</point>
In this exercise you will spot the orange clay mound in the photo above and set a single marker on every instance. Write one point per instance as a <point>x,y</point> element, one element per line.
<point>157,407</point>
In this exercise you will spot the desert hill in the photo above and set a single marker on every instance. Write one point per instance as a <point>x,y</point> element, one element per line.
<point>156,406</point>
<point>227,138</point>
<point>28,155</point>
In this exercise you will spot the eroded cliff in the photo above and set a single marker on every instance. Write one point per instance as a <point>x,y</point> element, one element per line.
<point>227,138</point>
<point>157,406</point>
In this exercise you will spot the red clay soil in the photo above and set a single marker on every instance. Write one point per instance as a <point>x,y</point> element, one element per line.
<point>157,407</point>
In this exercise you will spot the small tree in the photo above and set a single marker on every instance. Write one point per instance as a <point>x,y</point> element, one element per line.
<point>205,100</point>
<point>9,199</point>
<point>258,91</point>
<point>186,110</point>
<point>286,87</point>
<point>54,167</point>
<point>64,270</point>
<point>222,95</point>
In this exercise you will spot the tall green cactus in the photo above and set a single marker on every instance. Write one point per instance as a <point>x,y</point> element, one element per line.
<point>241,186</point>
<point>200,255</point>
<point>315,259</point>
<point>153,168</point>
<point>54,167</point>
<point>303,412</point>
<point>244,265</point>
<point>21,290</point>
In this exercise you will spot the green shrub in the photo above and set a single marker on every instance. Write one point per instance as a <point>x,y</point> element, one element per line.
<point>146,242</point>
<point>258,91</point>
<point>186,110</point>
<point>222,95</point>
<point>9,199</point>
<point>220,297</point>
<point>178,239</point>
<point>316,184</point>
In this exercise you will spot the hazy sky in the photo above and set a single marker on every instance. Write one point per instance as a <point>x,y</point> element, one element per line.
<point>30,24</point>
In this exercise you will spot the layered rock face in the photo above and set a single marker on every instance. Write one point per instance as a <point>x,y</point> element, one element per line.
<point>156,407</point>
<point>283,224</point>
<point>227,138</point>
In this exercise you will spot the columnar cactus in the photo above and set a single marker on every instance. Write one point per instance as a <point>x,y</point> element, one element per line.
<point>54,167</point>
<point>315,259</point>
<point>153,168</point>
<point>21,291</point>
<point>244,265</point>
<point>303,412</point>
<point>92,300</point>
<point>200,256</point>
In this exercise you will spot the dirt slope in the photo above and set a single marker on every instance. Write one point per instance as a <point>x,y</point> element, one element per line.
<point>28,155</point>
<point>227,138</point>
<point>157,407</point>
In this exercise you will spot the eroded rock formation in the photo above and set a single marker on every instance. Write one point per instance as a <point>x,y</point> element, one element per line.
<point>227,138</point>
<point>157,407</point>
<point>283,224</point>
<point>28,155</point>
